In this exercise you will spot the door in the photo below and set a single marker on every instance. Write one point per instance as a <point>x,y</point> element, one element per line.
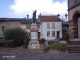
<point>38,35</point>
<point>64,33</point>
<point>58,34</point>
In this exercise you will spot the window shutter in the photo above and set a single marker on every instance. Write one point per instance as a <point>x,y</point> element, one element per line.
<point>48,25</point>
<point>53,25</point>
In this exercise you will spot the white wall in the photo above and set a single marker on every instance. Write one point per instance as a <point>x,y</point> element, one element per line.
<point>58,27</point>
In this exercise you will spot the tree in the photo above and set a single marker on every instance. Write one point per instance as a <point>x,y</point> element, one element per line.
<point>18,36</point>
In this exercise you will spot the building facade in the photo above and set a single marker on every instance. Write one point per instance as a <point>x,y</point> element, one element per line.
<point>51,27</point>
<point>74,19</point>
<point>9,23</point>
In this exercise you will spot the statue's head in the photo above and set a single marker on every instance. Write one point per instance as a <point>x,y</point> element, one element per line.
<point>35,10</point>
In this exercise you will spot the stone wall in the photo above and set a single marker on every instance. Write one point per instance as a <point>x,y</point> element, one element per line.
<point>19,51</point>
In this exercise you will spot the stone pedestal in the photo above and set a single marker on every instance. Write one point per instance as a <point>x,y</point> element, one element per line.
<point>34,43</point>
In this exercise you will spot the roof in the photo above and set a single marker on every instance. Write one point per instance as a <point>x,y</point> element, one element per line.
<point>22,20</point>
<point>49,18</point>
<point>11,19</point>
<point>29,21</point>
<point>65,23</point>
<point>3,19</point>
<point>14,19</point>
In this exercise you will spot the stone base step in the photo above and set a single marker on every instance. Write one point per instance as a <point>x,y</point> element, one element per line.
<point>74,51</point>
<point>73,46</point>
<point>73,43</point>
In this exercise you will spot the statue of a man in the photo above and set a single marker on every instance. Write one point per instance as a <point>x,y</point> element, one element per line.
<point>34,16</point>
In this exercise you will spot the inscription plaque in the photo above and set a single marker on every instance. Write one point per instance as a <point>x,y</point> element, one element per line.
<point>33,35</point>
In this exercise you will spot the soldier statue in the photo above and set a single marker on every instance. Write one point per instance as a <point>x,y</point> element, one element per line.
<point>34,16</point>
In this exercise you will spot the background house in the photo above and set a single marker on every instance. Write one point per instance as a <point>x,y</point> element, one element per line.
<point>51,27</point>
<point>9,23</point>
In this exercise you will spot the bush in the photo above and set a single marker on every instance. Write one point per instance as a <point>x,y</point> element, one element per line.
<point>17,35</point>
<point>3,44</point>
<point>42,40</point>
<point>66,38</point>
<point>27,39</point>
<point>58,46</point>
<point>46,48</point>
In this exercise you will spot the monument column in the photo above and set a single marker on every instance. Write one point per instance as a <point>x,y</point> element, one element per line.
<point>34,43</point>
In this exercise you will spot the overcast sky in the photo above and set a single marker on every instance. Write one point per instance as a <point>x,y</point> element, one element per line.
<point>20,8</point>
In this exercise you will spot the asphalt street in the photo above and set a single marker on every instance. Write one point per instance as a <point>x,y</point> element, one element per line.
<point>69,56</point>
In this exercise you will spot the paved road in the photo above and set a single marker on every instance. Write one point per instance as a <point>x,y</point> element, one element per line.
<point>40,56</point>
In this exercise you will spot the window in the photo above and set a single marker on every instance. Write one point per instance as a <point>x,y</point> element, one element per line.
<point>53,33</point>
<point>28,26</point>
<point>53,25</point>
<point>48,33</point>
<point>48,25</point>
<point>3,28</point>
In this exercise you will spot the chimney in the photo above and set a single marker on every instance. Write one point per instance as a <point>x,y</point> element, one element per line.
<point>27,16</point>
<point>24,17</point>
<point>40,14</point>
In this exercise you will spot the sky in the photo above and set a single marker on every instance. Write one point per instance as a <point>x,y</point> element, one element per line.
<point>20,8</point>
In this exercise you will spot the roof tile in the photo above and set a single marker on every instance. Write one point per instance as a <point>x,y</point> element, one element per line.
<point>49,18</point>
<point>3,18</point>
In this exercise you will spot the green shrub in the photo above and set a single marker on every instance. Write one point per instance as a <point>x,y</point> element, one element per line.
<point>27,39</point>
<point>17,35</point>
<point>66,38</point>
<point>3,44</point>
<point>58,46</point>
<point>42,40</point>
<point>46,48</point>
<point>62,47</point>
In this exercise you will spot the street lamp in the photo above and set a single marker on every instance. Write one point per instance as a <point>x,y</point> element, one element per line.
<point>66,16</point>
<point>58,15</point>
<point>62,16</point>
